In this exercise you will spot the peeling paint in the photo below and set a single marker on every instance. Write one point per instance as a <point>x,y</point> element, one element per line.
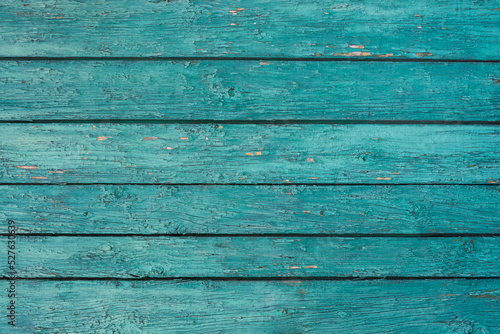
<point>27,167</point>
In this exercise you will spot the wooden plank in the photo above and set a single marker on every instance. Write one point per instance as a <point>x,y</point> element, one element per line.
<point>130,209</point>
<point>249,90</point>
<point>248,153</point>
<point>244,257</point>
<point>426,306</point>
<point>257,28</point>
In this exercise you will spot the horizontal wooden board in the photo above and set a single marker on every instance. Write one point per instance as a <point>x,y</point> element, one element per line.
<point>257,28</point>
<point>129,209</point>
<point>249,90</point>
<point>154,257</point>
<point>444,306</point>
<point>249,153</point>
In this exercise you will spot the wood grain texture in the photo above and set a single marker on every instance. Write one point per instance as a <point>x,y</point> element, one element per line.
<point>249,90</point>
<point>130,209</point>
<point>243,257</point>
<point>246,153</point>
<point>444,306</point>
<point>399,182</point>
<point>251,28</point>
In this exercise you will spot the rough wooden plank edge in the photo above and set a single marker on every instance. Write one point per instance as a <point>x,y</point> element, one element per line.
<point>461,306</point>
<point>251,91</point>
<point>248,154</point>
<point>139,209</point>
<point>150,257</point>
<point>286,28</point>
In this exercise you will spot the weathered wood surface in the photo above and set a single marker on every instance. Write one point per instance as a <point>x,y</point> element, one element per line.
<point>129,209</point>
<point>249,153</point>
<point>426,306</point>
<point>132,257</point>
<point>101,293</point>
<point>258,28</point>
<point>249,90</point>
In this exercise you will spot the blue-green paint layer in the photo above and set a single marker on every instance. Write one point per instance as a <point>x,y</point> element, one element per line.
<point>94,297</point>
<point>248,153</point>
<point>426,306</point>
<point>268,257</point>
<point>252,28</point>
<point>129,209</point>
<point>249,90</point>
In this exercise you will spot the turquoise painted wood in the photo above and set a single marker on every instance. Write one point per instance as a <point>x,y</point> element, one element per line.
<point>365,210</point>
<point>249,90</point>
<point>427,306</point>
<point>268,257</point>
<point>248,154</point>
<point>154,120</point>
<point>252,28</point>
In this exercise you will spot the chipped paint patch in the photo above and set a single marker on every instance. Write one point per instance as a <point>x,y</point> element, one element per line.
<point>27,167</point>
<point>234,12</point>
<point>423,54</point>
<point>487,296</point>
<point>57,171</point>
<point>353,54</point>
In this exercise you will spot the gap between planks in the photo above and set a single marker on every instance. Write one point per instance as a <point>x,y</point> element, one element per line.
<point>256,279</point>
<point>249,122</point>
<point>242,184</point>
<point>261,235</point>
<point>290,59</point>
